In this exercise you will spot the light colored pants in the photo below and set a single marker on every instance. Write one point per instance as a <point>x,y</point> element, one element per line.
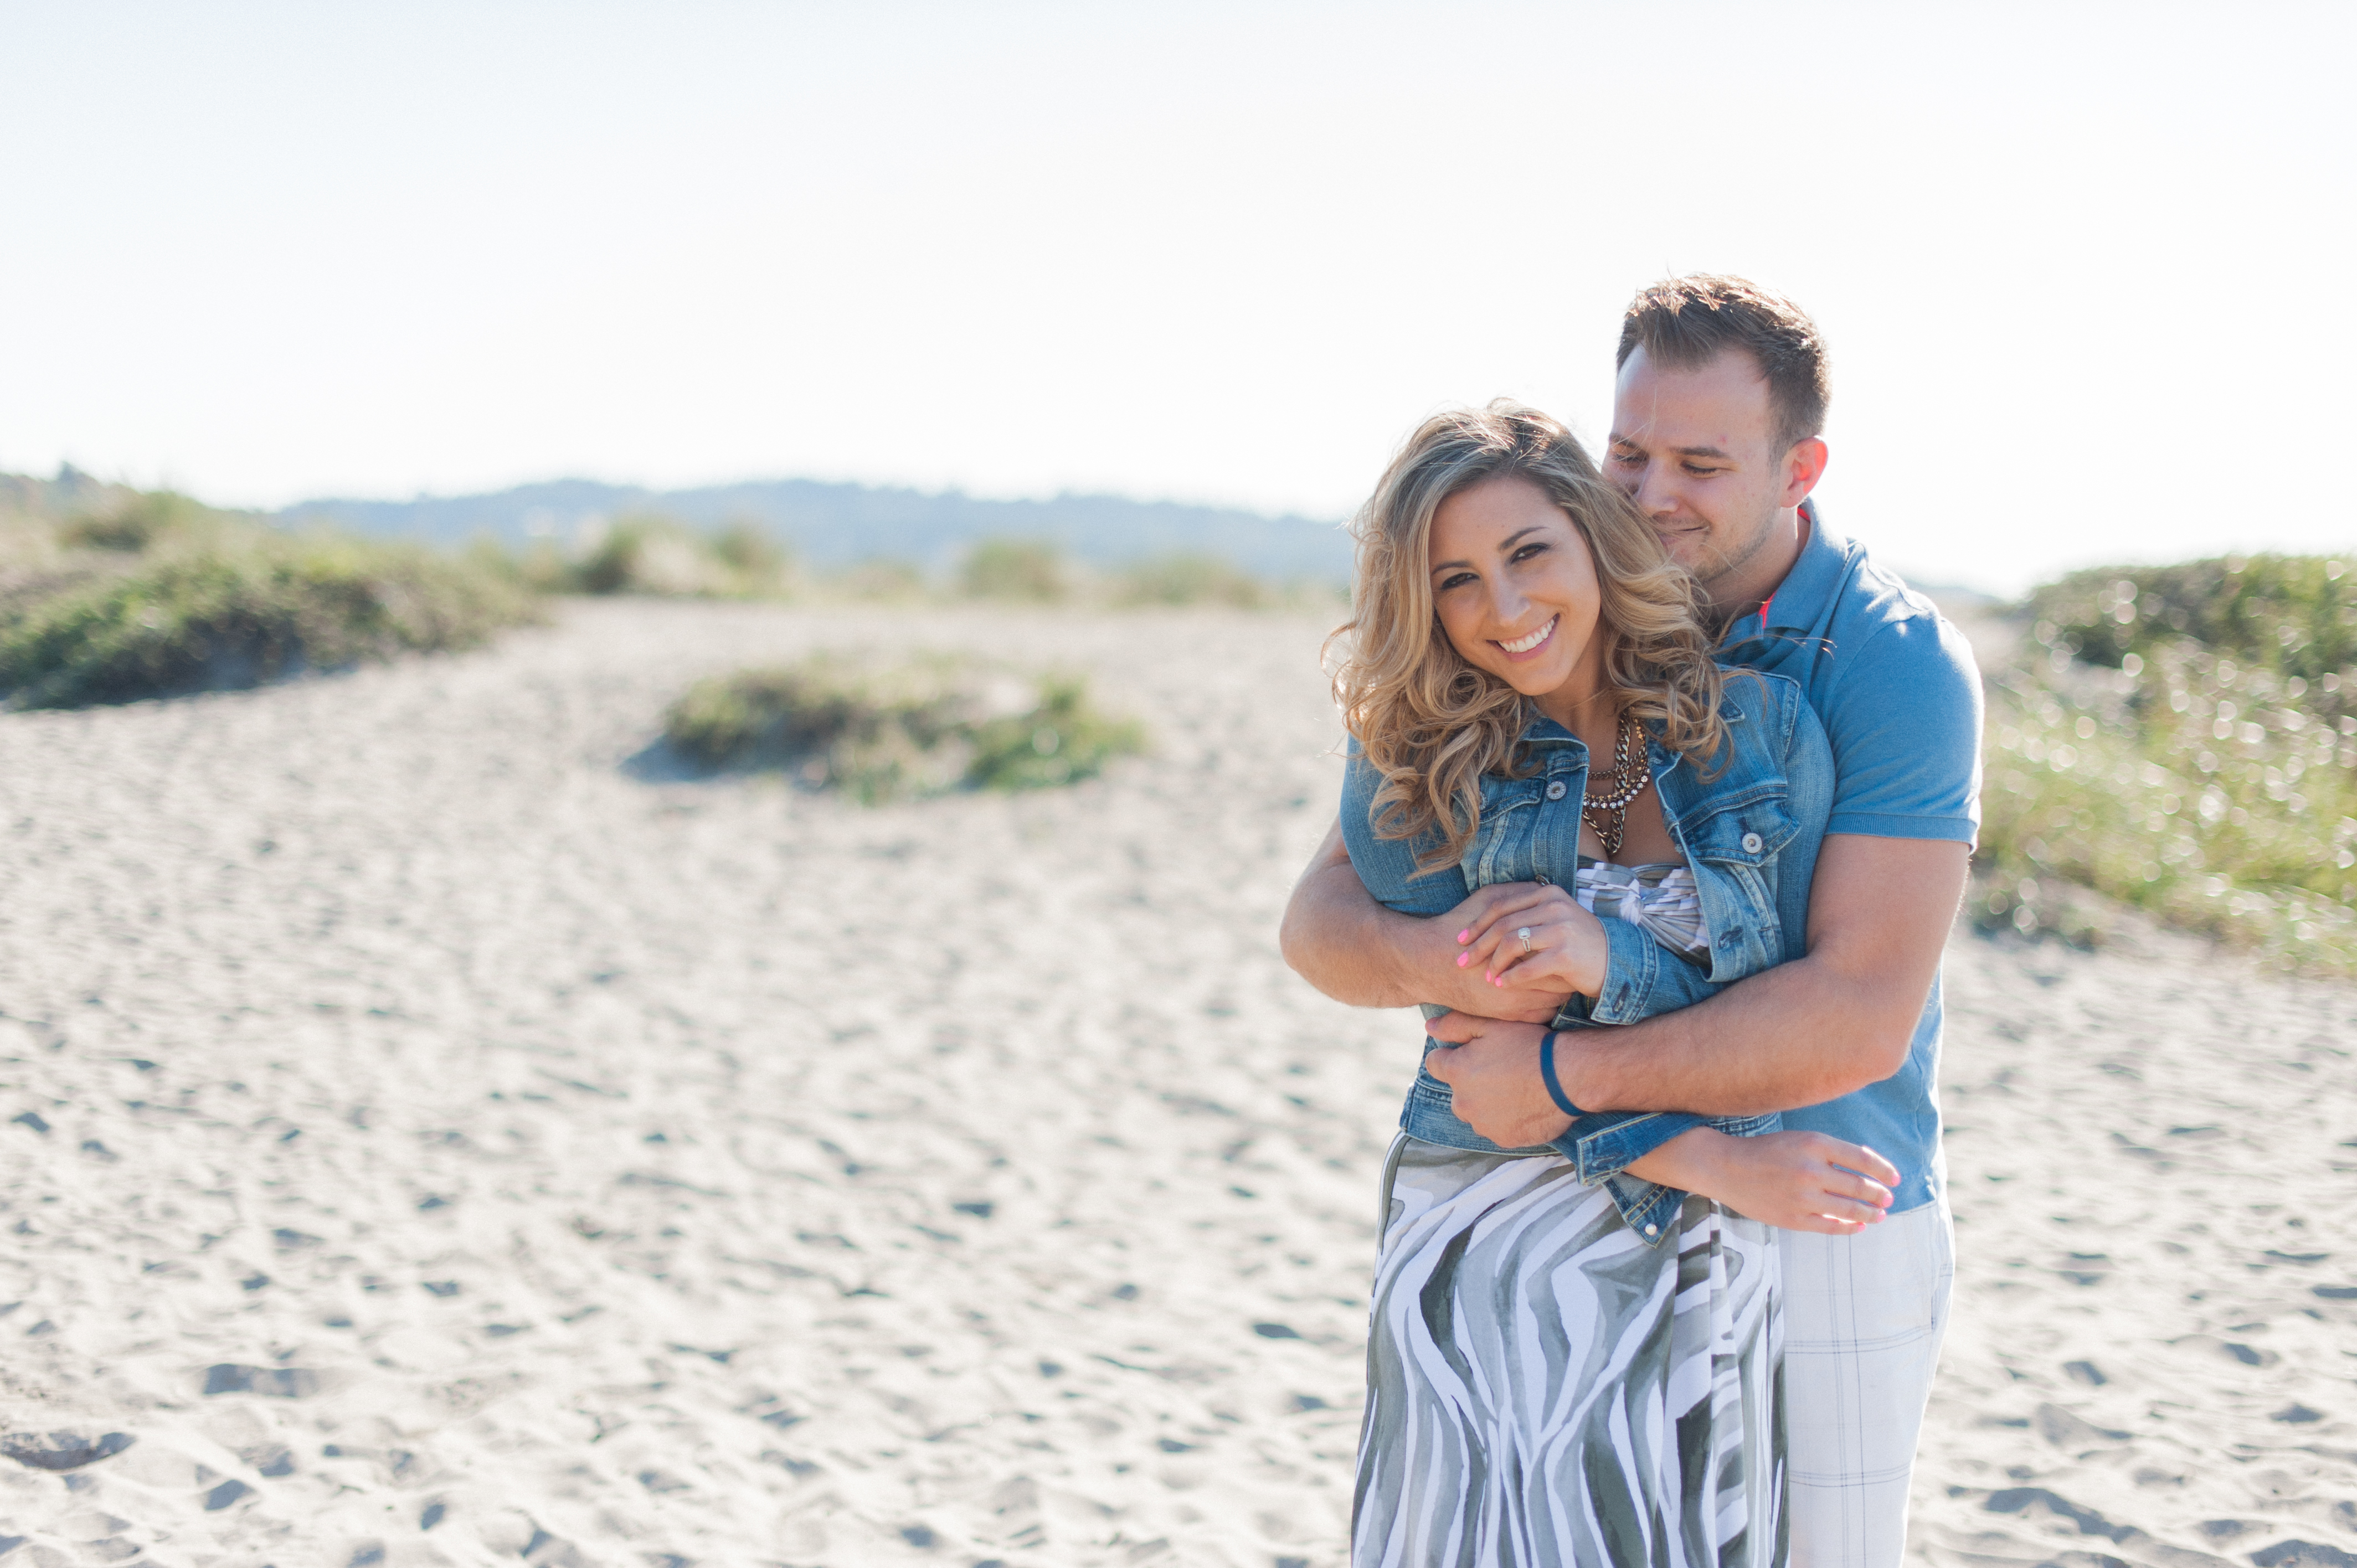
<point>1863,1320</point>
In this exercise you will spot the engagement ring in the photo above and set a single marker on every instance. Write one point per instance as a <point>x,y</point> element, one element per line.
<point>1525,933</point>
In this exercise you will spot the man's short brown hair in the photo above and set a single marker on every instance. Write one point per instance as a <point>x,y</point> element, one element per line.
<point>1690,321</point>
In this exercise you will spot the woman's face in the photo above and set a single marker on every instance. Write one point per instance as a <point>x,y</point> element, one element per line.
<point>1516,590</point>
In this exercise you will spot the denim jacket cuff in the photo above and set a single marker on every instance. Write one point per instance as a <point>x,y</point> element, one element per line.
<point>1631,969</point>
<point>1601,1146</point>
<point>1651,1209</point>
<point>1607,1144</point>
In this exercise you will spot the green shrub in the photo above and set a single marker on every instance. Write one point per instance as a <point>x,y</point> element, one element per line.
<point>881,578</point>
<point>747,548</point>
<point>651,555</point>
<point>1058,739</point>
<point>2207,784</point>
<point>246,607</point>
<point>146,520</point>
<point>34,566</point>
<point>2293,616</point>
<point>665,558</point>
<point>540,566</point>
<point>908,731</point>
<point>1191,579</point>
<point>1026,570</point>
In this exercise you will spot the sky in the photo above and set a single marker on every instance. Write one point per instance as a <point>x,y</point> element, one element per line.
<point>2082,268</point>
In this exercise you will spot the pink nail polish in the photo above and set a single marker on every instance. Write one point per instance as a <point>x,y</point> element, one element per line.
<point>1466,935</point>
<point>1463,958</point>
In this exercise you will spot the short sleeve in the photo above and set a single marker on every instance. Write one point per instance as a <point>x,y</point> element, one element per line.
<point>1905,726</point>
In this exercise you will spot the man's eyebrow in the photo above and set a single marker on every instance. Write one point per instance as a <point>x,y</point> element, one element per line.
<point>1619,440</point>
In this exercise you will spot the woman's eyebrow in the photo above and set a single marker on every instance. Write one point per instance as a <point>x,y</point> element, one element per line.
<point>1504,544</point>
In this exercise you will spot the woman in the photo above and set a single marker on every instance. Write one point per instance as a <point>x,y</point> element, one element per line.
<point>1573,1357</point>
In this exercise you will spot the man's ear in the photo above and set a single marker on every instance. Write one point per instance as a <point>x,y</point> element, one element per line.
<point>1804,465</point>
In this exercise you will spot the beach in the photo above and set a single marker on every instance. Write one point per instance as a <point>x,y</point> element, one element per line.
<point>445,1132</point>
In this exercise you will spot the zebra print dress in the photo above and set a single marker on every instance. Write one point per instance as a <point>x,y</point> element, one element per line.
<point>1545,1390</point>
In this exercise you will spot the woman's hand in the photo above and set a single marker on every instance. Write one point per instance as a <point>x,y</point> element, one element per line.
<point>1565,950</point>
<point>1795,1181</point>
<point>1431,965</point>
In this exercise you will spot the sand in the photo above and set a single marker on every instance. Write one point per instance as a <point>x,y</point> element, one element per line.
<point>2153,1157</point>
<point>445,1135</point>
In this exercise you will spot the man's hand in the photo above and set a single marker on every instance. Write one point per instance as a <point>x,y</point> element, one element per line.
<point>1341,940</point>
<point>1491,1070</point>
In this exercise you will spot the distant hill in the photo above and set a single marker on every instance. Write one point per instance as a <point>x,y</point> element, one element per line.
<point>836,525</point>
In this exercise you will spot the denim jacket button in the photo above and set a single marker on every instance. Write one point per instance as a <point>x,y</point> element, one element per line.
<point>1557,789</point>
<point>1652,1229</point>
<point>1752,843</point>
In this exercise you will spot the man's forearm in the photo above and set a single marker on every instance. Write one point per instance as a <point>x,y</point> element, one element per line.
<point>1792,1037</point>
<point>1805,1032</point>
<point>1338,938</point>
<point>1346,944</point>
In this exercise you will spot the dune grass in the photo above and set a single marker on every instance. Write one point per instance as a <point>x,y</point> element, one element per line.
<point>2183,739</point>
<point>902,732</point>
<point>1037,572</point>
<point>662,557</point>
<point>163,596</point>
<point>1026,571</point>
<point>2293,615</point>
<point>1192,579</point>
<point>146,520</point>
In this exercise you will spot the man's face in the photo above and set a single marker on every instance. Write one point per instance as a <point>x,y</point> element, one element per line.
<point>1693,447</point>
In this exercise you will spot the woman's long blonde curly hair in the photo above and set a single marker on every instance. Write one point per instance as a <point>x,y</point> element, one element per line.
<point>1431,722</point>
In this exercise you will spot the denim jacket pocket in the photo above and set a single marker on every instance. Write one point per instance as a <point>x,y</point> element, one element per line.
<point>1499,849</point>
<point>1748,826</point>
<point>1734,840</point>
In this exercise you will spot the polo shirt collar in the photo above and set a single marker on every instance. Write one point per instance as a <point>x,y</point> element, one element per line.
<point>1809,588</point>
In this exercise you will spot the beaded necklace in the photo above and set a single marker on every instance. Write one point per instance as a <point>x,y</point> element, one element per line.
<point>1608,813</point>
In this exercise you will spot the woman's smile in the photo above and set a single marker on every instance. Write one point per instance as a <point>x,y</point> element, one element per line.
<point>1528,646</point>
<point>1515,589</point>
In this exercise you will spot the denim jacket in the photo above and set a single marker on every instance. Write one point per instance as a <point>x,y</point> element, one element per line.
<point>1750,834</point>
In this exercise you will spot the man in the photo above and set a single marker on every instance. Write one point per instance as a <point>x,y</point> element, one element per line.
<point>1717,416</point>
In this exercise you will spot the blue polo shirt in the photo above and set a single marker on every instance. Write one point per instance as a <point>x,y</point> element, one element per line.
<point>1899,696</point>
